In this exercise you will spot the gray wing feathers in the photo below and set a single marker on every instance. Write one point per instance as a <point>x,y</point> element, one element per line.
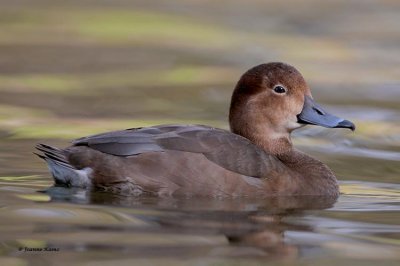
<point>222,147</point>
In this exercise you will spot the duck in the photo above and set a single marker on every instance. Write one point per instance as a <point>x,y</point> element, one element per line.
<point>255,158</point>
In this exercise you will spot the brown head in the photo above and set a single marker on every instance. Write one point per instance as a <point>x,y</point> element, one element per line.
<point>270,101</point>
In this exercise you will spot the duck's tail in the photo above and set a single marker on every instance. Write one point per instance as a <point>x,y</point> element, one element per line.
<point>62,171</point>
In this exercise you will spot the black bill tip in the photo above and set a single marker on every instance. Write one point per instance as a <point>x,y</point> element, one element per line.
<point>346,124</point>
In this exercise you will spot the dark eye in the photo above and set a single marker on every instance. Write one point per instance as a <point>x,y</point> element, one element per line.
<point>279,89</point>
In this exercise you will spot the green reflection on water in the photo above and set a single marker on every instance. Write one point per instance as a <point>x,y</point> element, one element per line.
<point>74,68</point>
<point>89,83</point>
<point>145,26</point>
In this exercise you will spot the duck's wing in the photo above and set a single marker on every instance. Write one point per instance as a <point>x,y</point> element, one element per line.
<point>231,151</point>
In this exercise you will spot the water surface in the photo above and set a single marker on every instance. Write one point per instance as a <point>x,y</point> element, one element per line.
<point>69,69</point>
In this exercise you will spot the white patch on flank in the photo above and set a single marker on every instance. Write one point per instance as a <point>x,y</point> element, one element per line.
<point>68,176</point>
<point>83,177</point>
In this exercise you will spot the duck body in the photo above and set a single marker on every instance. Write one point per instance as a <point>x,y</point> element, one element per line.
<point>254,159</point>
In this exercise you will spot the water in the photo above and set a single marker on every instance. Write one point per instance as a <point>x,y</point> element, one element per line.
<point>81,67</point>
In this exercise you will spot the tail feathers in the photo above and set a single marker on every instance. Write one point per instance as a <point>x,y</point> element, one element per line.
<point>53,153</point>
<point>62,171</point>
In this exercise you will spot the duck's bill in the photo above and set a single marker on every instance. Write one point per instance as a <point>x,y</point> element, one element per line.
<point>313,114</point>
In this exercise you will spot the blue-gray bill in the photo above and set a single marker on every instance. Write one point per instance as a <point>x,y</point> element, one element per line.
<point>313,114</point>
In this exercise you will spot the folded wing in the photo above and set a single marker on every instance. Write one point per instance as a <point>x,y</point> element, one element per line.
<point>228,150</point>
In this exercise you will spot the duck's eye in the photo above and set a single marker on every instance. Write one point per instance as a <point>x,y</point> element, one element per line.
<point>279,89</point>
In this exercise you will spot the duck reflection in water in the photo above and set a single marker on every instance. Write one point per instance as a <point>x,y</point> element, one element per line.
<point>251,227</point>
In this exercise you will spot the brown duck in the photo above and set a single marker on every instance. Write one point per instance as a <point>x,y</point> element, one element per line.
<point>255,159</point>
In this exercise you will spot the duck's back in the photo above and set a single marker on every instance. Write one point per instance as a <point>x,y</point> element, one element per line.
<point>169,159</point>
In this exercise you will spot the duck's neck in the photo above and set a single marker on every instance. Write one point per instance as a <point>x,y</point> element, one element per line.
<point>316,177</point>
<point>274,139</point>
<point>272,142</point>
<point>275,146</point>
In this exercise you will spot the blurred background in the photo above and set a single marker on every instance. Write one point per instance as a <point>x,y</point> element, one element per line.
<point>79,67</point>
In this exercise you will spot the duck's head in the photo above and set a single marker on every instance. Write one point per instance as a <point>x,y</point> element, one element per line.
<point>270,101</point>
